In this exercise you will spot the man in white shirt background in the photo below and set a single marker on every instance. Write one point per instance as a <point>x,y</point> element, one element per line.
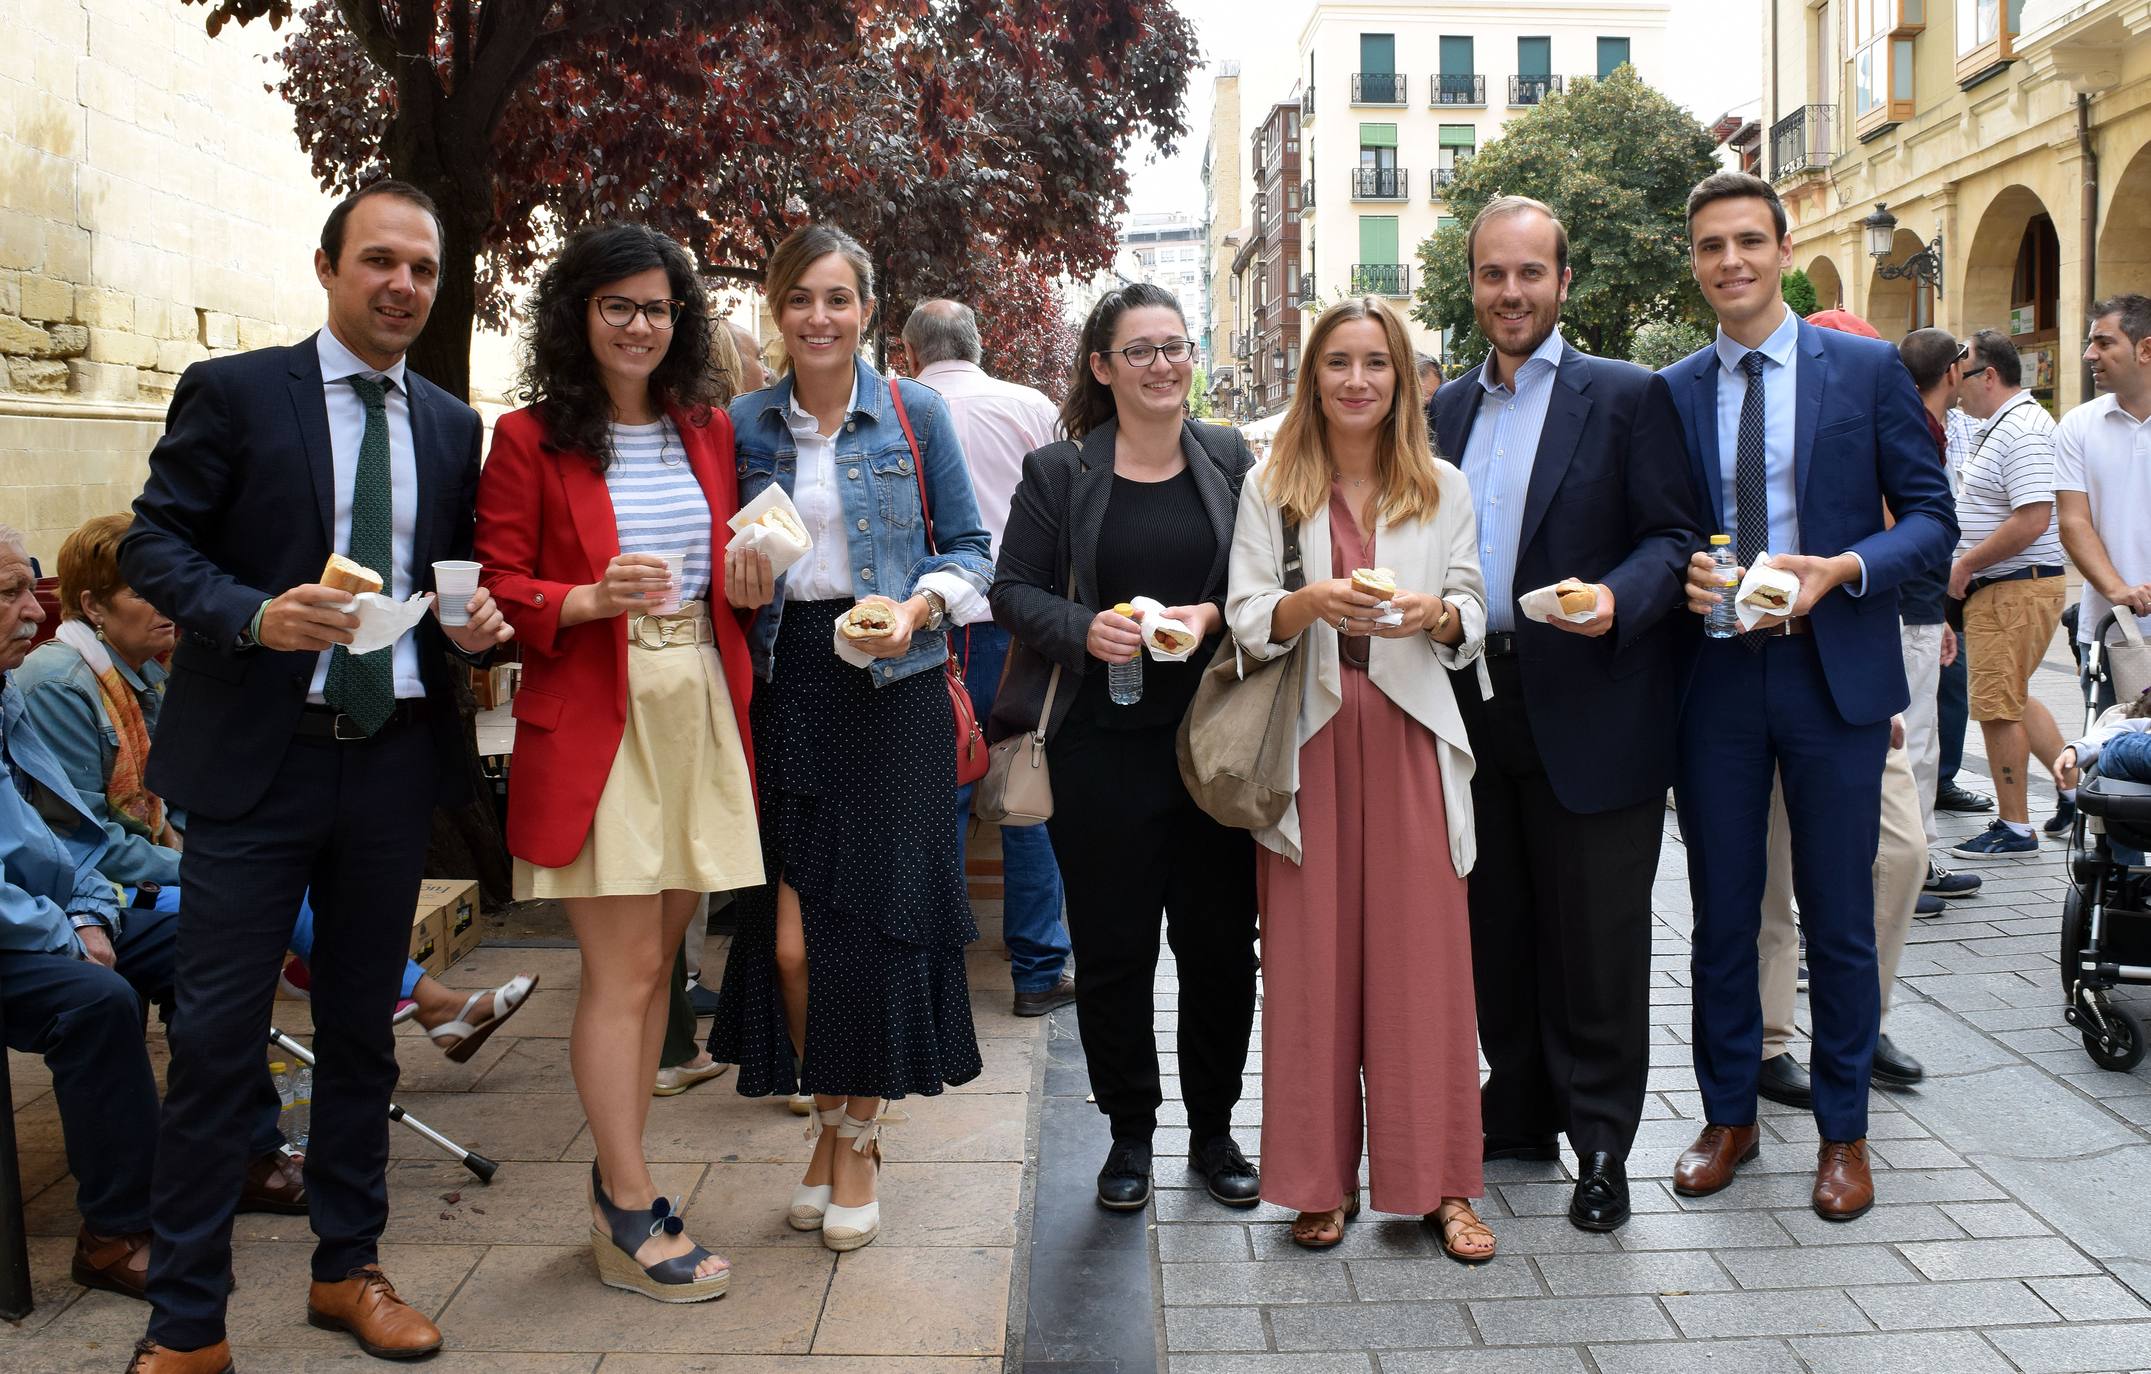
<point>998,423</point>
<point>2102,469</point>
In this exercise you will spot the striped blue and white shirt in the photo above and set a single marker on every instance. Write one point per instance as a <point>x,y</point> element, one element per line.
<point>657,503</point>
<point>1497,461</point>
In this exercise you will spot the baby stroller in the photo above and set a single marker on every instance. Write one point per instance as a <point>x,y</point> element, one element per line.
<point>2106,918</point>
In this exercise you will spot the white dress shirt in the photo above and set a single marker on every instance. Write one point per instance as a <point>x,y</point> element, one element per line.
<point>347,431</point>
<point>998,424</point>
<point>825,573</point>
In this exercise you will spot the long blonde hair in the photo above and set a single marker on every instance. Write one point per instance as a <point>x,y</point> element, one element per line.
<point>1297,476</point>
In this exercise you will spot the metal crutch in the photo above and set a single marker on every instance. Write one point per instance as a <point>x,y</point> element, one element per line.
<point>477,1163</point>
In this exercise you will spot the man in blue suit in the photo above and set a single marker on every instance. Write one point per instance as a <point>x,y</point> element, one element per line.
<point>1576,471</point>
<point>1797,437</point>
<point>304,768</point>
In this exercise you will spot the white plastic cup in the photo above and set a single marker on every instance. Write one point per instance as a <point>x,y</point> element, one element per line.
<point>675,575</point>
<point>455,582</point>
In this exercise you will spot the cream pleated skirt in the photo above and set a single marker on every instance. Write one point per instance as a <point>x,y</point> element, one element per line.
<point>678,806</point>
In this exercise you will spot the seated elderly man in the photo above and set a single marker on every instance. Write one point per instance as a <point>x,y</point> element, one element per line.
<point>93,694</point>
<point>77,972</point>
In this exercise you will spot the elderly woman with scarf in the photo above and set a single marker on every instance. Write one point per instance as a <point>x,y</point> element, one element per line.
<point>94,692</point>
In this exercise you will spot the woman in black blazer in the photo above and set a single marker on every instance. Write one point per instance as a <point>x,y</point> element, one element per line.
<point>1139,502</point>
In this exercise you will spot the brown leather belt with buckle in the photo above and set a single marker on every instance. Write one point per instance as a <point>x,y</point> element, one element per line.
<point>326,722</point>
<point>1796,626</point>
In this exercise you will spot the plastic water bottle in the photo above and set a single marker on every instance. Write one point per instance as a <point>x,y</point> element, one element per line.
<point>1723,622</point>
<point>1124,681</point>
<point>302,1108</point>
<point>280,1074</point>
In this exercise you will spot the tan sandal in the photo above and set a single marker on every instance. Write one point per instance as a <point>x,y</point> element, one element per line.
<point>1308,1228</point>
<point>1458,1223</point>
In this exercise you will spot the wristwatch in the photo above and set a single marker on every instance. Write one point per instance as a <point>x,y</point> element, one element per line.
<point>83,920</point>
<point>937,610</point>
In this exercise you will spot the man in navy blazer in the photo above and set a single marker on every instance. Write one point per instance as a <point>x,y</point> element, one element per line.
<point>1576,471</point>
<point>1798,437</point>
<point>305,769</point>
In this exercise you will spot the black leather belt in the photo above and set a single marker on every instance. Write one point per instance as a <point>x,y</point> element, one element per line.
<point>1500,643</point>
<point>326,722</point>
<point>1796,626</point>
<point>2020,575</point>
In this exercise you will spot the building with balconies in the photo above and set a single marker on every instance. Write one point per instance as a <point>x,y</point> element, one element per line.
<point>1973,164</point>
<point>1224,229</point>
<point>1267,270</point>
<point>1395,97</point>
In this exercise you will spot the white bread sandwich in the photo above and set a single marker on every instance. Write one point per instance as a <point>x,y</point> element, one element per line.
<point>785,523</point>
<point>1379,583</point>
<point>347,576</point>
<point>867,620</point>
<point>1576,597</point>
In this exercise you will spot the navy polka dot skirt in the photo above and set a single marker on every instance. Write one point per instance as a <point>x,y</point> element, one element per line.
<point>857,791</point>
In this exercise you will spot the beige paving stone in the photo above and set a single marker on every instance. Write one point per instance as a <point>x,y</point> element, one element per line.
<point>423,1068</point>
<point>792,1364</point>
<point>548,1298</point>
<point>538,1064</point>
<point>27,1077</point>
<point>963,1205</point>
<point>1009,1064</point>
<point>51,1292</point>
<point>890,1300</point>
<point>525,1126</point>
<point>491,965</point>
<point>525,1204</point>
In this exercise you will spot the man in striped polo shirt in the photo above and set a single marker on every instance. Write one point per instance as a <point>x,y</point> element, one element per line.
<point>2008,573</point>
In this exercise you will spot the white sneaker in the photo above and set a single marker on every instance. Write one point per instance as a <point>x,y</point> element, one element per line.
<point>674,1081</point>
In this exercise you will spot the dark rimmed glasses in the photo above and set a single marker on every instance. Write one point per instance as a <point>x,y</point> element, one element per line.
<point>1143,354</point>
<point>620,312</point>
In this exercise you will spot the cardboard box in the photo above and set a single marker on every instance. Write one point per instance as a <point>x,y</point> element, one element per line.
<point>429,938</point>
<point>455,902</point>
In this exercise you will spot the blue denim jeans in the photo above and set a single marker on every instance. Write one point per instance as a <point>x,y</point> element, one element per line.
<point>1031,881</point>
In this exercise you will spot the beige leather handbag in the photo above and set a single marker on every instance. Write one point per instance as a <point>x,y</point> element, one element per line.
<point>1018,786</point>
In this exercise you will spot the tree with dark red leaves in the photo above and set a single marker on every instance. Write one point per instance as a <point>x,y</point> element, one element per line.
<point>968,143</point>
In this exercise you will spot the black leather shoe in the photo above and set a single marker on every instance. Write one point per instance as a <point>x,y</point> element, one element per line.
<point>1784,1080</point>
<point>1231,1179</point>
<point>1893,1067</point>
<point>1047,999</point>
<point>701,1001</point>
<point>1601,1200</point>
<point>1520,1147</point>
<point>1962,800</point>
<point>1124,1182</point>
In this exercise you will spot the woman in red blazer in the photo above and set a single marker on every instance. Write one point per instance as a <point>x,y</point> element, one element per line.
<point>601,515</point>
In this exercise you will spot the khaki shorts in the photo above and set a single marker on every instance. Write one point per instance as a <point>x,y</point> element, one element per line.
<point>2007,629</point>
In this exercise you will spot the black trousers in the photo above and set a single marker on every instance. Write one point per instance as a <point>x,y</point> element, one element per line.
<point>1130,843</point>
<point>1560,938</point>
<point>348,824</point>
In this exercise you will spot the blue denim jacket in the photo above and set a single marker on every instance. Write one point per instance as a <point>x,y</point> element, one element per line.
<point>881,503</point>
<point>66,707</point>
<point>49,845</point>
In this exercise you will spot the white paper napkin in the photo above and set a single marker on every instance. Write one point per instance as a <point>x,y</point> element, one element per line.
<point>1544,603</point>
<point>782,549</point>
<point>384,620</point>
<point>1150,614</point>
<point>1763,575</point>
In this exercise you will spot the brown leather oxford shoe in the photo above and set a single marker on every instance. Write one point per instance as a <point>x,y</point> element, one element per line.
<point>275,1183</point>
<point>1844,1187</point>
<point>365,1304</point>
<point>1711,1162</point>
<point>152,1358</point>
<point>117,1264</point>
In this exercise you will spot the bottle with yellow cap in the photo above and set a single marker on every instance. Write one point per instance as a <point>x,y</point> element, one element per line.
<point>1124,681</point>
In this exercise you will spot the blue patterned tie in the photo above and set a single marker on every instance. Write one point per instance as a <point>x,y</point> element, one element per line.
<point>364,687</point>
<point>1751,493</point>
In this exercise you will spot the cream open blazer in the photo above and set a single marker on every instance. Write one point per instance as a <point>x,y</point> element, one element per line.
<point>1427,555</point>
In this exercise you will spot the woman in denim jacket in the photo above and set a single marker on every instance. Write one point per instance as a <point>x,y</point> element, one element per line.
<point>847,975</point>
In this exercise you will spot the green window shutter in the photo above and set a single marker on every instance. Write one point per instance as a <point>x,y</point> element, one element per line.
<point>1442,222</point>
<point>1612,53</point>
<point>1459,136</point>
<point>1534,57</point>
<point>1378,239</point>
<point>1377,135</point>
<point>1456,56</point>
<point>1378,53</point>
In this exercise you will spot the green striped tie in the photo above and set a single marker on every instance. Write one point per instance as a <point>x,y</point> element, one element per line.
<point>364,687</point>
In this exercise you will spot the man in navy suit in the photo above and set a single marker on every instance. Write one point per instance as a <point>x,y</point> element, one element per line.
<point>1798,436</point>
<point>1577,471</point>
<point>305,769</point>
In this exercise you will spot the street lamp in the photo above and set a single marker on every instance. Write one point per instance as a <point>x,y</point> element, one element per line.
<point>1925,265</point>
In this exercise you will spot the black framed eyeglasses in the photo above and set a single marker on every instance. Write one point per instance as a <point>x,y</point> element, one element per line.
<point>620,312</point>
<point>1143,354</point>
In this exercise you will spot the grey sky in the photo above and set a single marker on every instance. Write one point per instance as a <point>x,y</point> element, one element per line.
<point>1713,47</point>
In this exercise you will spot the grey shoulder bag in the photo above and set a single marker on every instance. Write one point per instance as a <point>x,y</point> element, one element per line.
<point>1237,744</point>
<point>1018,786</point>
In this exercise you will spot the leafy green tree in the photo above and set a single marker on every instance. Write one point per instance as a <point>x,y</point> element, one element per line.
<point>1615,159</point>
<point>1199,395</point>
<point>1661,343</point>
<point>1799,293</point>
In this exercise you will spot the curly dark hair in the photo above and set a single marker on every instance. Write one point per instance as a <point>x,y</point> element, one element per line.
<point>560,377</point>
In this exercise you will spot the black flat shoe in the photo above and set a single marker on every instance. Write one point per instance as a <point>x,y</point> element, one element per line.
<point>1231,1179</point>
<point>1783,1080</point>
<point>1893,1067</point>
<point>1601,1200</point>
<point>1520,1147</point>
<point>1124,1182</point>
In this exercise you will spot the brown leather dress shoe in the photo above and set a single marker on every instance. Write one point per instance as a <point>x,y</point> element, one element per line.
<point>275,1182</point>
<point>1716,1155</point>
<point>1844,1187</point>
<point>117,1264</point>
<point>365,1304</point>
<point>152,1358</point>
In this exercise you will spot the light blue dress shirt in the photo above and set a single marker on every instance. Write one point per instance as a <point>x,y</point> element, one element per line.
<point>347,431</point>
<point>1498,458</point>
<point>1780,379</point>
